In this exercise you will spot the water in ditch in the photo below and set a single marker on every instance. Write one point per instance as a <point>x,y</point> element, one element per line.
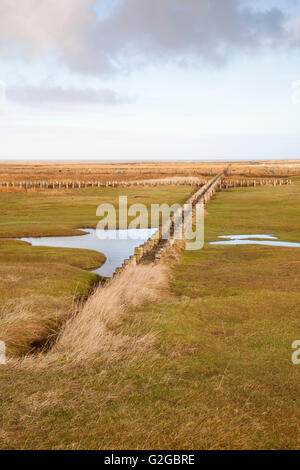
<point>258,239</point>
<point>116,245</point>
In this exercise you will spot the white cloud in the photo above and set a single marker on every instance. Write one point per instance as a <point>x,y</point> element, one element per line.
<point>2,93</point>
<point>54,94</point>
<point>293,29</point>
<point>38,27</point>
<point>136,31</point>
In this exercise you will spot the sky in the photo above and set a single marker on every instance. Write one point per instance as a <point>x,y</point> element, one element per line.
<point>149,79</point>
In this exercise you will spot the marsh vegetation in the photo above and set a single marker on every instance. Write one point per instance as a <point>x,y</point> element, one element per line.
<point>200,357</point>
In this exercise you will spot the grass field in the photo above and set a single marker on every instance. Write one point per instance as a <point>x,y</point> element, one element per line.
<point>42,283</point>
<point>217,373</point>
<point>76,171</point>
<point>43,214</point>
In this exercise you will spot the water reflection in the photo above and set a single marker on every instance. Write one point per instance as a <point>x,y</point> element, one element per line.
<point>119,246</point>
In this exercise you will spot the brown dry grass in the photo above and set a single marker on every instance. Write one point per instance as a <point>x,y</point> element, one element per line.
<point>266,169</point>
<point>25,329</point>
<point>86,328</point>
<point>185,180</point>
<point>95,329</point>
<point>103,172</point>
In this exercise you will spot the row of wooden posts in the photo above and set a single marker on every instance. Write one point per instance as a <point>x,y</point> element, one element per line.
<point>154,243</point>
<point>96,184</point>
<point>125,184</point>
<point>247,183</point>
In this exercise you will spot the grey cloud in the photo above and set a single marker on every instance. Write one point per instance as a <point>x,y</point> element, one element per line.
<point>138,31</point>
<point>55,94</point>
<point>178,29</point>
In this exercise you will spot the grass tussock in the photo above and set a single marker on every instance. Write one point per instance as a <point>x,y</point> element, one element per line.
<point>26,329</point>
<point>36,298</point>
<point>96,329</point>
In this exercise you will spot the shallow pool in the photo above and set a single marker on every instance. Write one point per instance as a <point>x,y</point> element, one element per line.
<point>119,246</point>
<point>258,239</point>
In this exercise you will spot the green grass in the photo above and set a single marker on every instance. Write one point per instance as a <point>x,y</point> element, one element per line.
<point>42,280</point>
<point>220,374</point>
<point>48,279</point>
<point>17,251</point>
<point>265,209</point>
<point>38,214</point>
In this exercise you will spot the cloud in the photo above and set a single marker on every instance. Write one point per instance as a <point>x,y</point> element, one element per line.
<point>293,29</point>
<point>138,31</point>
<point>54,94</point>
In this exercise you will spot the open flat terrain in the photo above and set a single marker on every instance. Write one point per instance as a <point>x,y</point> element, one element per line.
<point>216,372</point>
<point>41,283</point>
<point>103,172</point>
<point>45,213</point>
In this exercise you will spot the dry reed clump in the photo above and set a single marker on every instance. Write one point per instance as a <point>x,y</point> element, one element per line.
<point>96,328</point>
<point>25,328</point>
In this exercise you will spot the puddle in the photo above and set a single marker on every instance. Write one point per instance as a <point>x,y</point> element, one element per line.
<point>258,239</point>
<point>245,237</point>
<point>116,250</point>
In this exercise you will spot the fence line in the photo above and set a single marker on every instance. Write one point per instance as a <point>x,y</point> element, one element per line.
<point>191,181</point>
<point>99,184</point>
<point>157,243</point>
<point>226,184</point>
